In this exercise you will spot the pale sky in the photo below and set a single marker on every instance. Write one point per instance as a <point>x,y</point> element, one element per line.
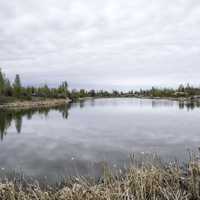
<point>101,43</point>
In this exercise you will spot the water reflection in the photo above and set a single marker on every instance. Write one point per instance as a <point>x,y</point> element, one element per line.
<point>156,103</point>
<point>190,105</point>
<point>97,130</point>
<point>16,116</point>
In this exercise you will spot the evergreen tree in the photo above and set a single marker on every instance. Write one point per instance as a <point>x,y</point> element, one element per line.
<point>8,88</point>
<point>63,89</point>
<point>46,90</point>
<point>17,86</point>
<point>2,83</point>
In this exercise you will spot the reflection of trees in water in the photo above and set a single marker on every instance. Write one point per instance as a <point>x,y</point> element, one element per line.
<point>7,116</point>
<point>159,103</point>
<point>16,116</point>
<point>5,122</point>
<point>18,122</point>
<point>82,104</point>
<point>64,110</point>
<point>190,105</point>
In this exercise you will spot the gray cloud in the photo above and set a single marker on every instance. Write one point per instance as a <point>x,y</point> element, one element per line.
<point>107,43</point>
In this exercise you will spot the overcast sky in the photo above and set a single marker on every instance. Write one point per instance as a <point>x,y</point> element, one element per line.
<point>101,43</point>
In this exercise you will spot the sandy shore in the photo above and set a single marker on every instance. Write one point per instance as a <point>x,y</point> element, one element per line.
<point>35,104</point>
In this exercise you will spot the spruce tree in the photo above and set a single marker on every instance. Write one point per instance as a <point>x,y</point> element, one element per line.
<point>17,86</point>
<point>2,82</point>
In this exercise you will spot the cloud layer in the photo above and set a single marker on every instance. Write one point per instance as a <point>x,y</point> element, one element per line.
<point>107,43</point>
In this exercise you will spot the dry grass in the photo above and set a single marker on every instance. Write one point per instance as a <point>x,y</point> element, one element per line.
<point>151,180</point>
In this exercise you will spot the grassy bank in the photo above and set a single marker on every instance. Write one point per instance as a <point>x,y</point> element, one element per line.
<point>152,180</point>
<point>34,103</point>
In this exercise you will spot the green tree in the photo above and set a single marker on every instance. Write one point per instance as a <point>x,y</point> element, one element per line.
<point>2,82</point>
<point>8,88</point>
<point>82,93</point>
<point>17,86</point>
<point>46,91</point>
<point>63,89</point>
<point>92,93</point>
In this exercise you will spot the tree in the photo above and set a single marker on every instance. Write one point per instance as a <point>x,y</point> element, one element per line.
<point>46,90</point>
<point>2,83</point>
<point>63,89</point>
<point>17,86</point>
<point>92,93</point>
<point>8,88</point>
<point>181,88</point>
<point>82,93</point>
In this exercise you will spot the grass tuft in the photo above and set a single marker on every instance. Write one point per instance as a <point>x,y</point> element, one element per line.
<point>149,181</point>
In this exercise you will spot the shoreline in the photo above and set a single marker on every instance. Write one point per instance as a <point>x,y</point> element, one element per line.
<point>47,103</point>
<point>179,99</point>
<point>26,104</point>
<point>151,180</point>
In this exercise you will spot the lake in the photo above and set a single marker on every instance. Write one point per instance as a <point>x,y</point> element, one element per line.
<point>76,139</point>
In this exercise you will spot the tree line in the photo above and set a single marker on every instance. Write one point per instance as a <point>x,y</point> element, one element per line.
<point>17,90</point>
<point>182,91</point>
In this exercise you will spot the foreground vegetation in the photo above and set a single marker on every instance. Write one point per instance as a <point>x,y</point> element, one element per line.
<point>147,181</point>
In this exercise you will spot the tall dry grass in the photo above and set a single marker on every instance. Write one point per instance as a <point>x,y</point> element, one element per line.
<point>145,181</point>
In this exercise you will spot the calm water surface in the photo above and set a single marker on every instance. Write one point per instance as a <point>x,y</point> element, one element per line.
<point>75,139</point>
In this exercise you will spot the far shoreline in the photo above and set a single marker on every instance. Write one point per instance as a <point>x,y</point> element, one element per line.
<point>52,102</point>
<point>179,99</point>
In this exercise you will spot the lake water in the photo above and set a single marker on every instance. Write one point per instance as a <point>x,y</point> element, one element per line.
<point>76,139</point>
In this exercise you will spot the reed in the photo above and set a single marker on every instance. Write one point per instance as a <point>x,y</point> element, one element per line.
<point>140,181</point>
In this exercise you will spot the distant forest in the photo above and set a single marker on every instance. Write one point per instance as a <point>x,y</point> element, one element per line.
<point>16,90</point>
